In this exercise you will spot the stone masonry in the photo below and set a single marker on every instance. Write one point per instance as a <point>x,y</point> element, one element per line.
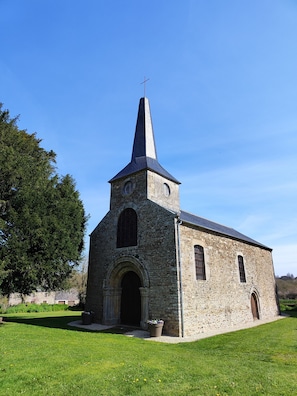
<point>162,258</point>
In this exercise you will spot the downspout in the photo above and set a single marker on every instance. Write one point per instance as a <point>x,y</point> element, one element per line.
<point>179,271</point>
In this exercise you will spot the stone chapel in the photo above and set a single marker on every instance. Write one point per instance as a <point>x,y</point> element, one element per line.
<point>151,260</point>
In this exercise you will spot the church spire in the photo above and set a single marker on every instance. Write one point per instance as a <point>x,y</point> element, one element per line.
<point>144,141</point>
<point>144,156</point>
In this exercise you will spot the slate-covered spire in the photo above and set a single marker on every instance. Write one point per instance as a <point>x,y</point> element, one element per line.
<point>144,154</point>
<point>144,141</point>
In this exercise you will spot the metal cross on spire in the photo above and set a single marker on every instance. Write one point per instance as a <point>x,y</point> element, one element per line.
<point>144,83</point>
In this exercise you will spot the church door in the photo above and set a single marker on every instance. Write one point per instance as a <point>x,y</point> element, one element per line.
<point>254,305</point>
<point>131,300</point>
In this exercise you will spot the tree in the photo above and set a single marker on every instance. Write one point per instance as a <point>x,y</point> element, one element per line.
<point>286,287</point>
<point>42,219</point>
<point>78,281</point>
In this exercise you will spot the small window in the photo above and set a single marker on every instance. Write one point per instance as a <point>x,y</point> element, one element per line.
<point>199,262</point>
<point>127,228</point>
<point>166,190</point>
<point>241,269</point>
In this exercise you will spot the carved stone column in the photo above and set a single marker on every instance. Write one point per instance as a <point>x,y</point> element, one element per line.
<point>111,305</point>
<point>144,294</point>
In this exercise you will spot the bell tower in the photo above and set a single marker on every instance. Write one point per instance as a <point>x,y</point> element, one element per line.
<point>144,178</point>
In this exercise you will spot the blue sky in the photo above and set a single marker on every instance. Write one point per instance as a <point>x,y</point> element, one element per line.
<point>222,90</point>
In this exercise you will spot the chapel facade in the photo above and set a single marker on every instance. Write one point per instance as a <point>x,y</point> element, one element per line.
<point>149,259</point>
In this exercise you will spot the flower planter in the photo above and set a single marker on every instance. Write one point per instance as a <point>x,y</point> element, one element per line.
<point>155,329</point>
<point>86,318</point>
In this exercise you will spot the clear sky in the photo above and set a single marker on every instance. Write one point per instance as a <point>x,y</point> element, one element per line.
<point>222,90</point>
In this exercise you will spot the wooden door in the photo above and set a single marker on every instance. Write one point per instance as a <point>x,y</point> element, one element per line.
<point>254,305</point>
<point>131,299</point>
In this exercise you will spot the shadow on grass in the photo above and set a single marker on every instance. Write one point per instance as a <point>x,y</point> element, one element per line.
<point>292,313</point>
<point>53,322</point>
<point>61,322</point>
<point>120,329</point>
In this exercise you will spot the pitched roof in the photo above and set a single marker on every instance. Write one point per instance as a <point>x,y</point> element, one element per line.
<point>144,154</point>
<point>218,228</point>
<point>144,157</point>
<point>144,139</point>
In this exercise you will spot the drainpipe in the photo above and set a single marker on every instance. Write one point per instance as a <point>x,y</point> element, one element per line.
<point>179,271</point>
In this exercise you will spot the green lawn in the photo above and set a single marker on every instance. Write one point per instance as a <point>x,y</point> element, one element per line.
<point>41,355</point>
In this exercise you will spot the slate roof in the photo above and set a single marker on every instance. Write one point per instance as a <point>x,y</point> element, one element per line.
<point>142,163</point>
<point>144,155</point>
<point>218,228</point>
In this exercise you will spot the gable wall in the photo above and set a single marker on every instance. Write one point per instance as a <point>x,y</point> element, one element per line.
<point>155,253</point>
<point>222,300</point>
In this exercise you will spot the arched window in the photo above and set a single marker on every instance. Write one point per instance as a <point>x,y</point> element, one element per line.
<point>127,228</point>
<point>241,269</point>
<point>199,262</point>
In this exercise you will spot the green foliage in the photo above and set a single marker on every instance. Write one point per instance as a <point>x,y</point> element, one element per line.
<point>41,355</point>
<point>42,219</point>
<point>288,305</point>
<point>287,287</point>
<point>23,308</point>
<point>292,312</point>
<point>78,281</point>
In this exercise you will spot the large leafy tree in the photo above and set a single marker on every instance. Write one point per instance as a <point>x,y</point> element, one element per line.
<point>42,219</point>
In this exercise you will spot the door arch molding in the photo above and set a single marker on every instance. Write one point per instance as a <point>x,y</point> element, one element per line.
<point>125,264</point>
<point>112,292</point>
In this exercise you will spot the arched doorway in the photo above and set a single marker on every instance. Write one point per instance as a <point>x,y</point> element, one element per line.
<point>130,299</point>
<point>254,306</point>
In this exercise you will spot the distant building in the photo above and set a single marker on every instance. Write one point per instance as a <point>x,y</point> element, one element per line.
<point>150,259</point>
<point>69,297</point>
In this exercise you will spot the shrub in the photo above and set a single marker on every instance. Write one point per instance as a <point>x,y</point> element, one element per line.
<point>22,308</point>
<point>288,305</point>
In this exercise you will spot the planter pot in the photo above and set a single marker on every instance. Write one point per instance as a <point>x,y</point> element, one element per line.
<point>86,318</point>
<point>156,329</point>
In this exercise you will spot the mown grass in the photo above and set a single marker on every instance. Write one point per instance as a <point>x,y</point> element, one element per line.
<point>28,307</point>
<point>41,355</point>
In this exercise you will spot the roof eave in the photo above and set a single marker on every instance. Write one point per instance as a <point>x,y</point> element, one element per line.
<point>248,241</point>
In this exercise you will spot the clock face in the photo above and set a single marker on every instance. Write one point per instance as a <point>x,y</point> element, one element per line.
<point>166,190</point>
<point>128,188</point>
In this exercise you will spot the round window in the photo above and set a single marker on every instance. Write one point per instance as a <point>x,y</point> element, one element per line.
<point>166,190</point>
<point>128,187</point>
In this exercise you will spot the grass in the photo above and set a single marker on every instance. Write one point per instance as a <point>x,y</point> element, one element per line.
<point>28,307</point>
<point>41,355</point>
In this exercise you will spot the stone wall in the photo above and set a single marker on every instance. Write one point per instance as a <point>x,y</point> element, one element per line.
<point>164,261</point>
<point>222,300</point>
<point>164,192</point>
<point>33,298</point>
<point>153,259</point>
